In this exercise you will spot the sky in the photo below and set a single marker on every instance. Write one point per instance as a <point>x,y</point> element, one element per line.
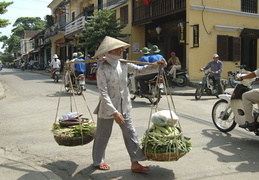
<point>24,8</point>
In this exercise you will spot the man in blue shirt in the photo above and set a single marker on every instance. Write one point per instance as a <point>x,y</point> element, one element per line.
<point>152,59</point>
<point>145,58</point>
<point>79,67</point>
<point>216,69</point>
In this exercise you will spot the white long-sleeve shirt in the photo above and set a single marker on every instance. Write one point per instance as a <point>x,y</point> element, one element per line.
<point>112,84</point>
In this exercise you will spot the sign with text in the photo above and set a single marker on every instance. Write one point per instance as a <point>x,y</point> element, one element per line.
<point>196,35</point>
<point>182,32</point>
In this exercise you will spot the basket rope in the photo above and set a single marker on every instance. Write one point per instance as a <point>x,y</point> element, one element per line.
<point>163,156</point>
<point>73,99</point>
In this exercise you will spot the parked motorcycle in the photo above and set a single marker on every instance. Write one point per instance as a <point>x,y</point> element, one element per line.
<point>56,75</point>
<point>181,77</point>
<point>228,111</point>
<point>22,66</point>
<point>78,84</point>
<point>47,67</point>
<point>232,75</point>
<point>155,86</point>
<point>206,86</point>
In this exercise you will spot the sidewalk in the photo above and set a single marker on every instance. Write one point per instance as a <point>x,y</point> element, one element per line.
<point>12,169</point>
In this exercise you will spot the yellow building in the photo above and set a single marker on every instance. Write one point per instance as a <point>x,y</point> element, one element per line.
<point>194,29</point>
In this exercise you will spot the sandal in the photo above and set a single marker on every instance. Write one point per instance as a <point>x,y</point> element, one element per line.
<point>141,169</point>
<point>103,166</point>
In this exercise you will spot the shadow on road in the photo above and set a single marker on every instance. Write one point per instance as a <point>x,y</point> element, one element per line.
<point>67,171</point>
<point>233,149</point>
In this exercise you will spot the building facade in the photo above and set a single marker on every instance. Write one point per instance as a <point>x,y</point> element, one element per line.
<point>193,29</point>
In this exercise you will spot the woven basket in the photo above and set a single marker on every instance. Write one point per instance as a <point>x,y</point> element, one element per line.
<point>73,141</point>
<point>63,137</point>
<point>172,156</point>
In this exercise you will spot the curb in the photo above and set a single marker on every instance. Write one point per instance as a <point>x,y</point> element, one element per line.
<point>2,91</point>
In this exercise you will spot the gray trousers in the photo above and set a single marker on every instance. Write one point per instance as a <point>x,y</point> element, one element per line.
<point>103,133</point>
<point>249,98</point>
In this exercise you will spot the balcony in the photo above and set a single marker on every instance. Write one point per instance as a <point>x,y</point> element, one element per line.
<point>76,26</point>
<point>157,9</point>
<point>53,30</point>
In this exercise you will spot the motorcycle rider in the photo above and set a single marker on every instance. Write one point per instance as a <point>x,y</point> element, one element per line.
<point>79,67</point>
<point>71,69</point>
<point>216,69</point>
<point>145,58</point>
<point>173,64</point>
<point>248,99</point>
<point>152,59</point>
<point>55,64</point>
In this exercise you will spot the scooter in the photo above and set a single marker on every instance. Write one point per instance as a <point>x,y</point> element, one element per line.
<point>206,86</point>
<point>181,77</point>
<point>155,85</point>
<point>56,75</point>
<point>228,111</point>
<point>78,84</point>
<point>232,75</point>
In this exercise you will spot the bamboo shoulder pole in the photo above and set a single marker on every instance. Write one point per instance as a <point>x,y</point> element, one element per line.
<point>102,60</point>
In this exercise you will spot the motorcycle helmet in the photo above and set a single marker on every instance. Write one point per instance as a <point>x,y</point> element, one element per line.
<point>215,56</point>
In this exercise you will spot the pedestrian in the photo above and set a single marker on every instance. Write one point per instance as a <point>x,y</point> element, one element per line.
<point>173,64</point>
<point>216,69</point>
<point>31,63</point>
<point>154,57</point>
<point>115,104</point>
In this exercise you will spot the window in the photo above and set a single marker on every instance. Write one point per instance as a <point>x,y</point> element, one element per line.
<point>73,15</point>
<point>124,15</point>
<point>229,48</point>
<point>249,6</point>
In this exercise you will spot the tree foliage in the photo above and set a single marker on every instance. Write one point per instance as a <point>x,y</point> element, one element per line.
<point>3,6</point>
<point>27,23</point>
<point>12,44</point>
<point>6,57</point>
<point>49,21</point>
<point>102,24</point>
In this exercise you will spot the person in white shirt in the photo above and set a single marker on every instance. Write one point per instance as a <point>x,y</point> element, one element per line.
<point>55,64</point>
<point>115,103</point>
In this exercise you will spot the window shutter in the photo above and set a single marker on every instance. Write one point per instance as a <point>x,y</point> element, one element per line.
<point>236,49</point>
<point>222,47</point>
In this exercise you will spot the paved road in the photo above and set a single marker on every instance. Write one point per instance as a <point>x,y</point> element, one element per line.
<point>28,150</point>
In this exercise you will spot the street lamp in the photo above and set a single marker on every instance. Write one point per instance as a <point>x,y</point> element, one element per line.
<point>158,30</point>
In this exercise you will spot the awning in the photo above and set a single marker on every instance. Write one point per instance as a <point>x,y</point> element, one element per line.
<point>60,41</point>
<point>250,33</point>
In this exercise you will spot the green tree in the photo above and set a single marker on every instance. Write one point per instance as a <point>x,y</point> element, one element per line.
<point>102,24</point>
<point>49,21</point>
<point>3,6</point>
<point>12,44</point>
<point>6,57</point>
<point>27,23</point>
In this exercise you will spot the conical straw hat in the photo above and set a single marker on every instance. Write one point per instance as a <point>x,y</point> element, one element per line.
<point>109,44</point>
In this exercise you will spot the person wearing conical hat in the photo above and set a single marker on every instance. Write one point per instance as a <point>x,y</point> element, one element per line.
<point>115,104</point>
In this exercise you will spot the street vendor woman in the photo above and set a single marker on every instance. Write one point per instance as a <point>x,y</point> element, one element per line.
<point>115,103</point>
